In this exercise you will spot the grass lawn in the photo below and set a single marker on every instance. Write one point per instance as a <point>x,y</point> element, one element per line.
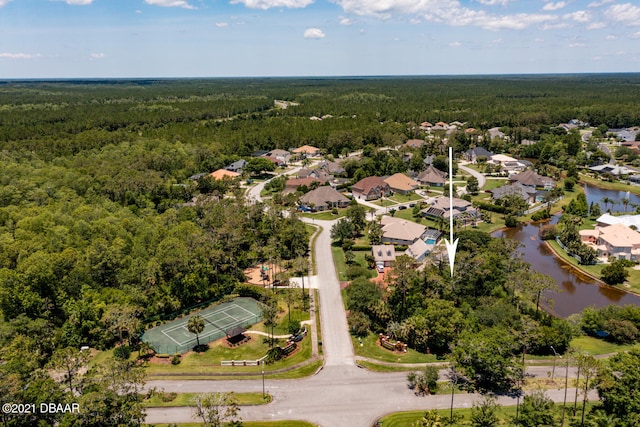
<point>384,202</point>
<point>325,215</point>
<point>370,349</point>
<point>491,184</point>
<point>341,264</point>
<point>403,198</point>
<point>506,414</point>
<point>186,399</point>
<point>597,346</point>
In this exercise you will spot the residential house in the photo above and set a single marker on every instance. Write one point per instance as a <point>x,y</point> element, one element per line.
<point>323,198</point>
<point>462,210</point>
<point>293,184</point>
<point>316,173</point>
<point>370,188</point>
<point>613,169</point>
<point>506,163</point>
<point>332,168</point>
<point>414,143</point>
<point>237,166</point>
<point>400,183</point>
<point>282,155</point>
<point>617,240</point>
<point>418,250</point>
<point>275,160</point>
<point>384,254</point>
<point>428,160</point>
<point>259,153</point>
<point>473,154</point>
<point>525,192</point>
<point>399,231</point>
<point>531,178</point>
<point>223,174</point>
<point>628,220</point>
<point>432,176</point>
<point>307,151</point>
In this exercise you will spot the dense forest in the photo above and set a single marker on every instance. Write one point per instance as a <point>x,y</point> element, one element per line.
<point>97,233</point>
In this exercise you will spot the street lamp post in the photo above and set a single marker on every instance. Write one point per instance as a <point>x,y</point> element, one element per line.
<point>555,355</point>
<point>263,395</point>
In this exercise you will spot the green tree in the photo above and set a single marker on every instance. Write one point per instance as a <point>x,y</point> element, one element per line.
<point>485,412</point>
<point>70,360</point>
<point>341,230</point>
<point>196,326</point>
<point>259,165</point>
<point>472,185</point>
<point>430,419</point>
<point>217,409</point>
<point>537,410</point>
<point>618,387</point>
<point>614,273</point>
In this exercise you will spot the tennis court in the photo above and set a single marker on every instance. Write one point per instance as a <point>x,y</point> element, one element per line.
<point>174,337</point>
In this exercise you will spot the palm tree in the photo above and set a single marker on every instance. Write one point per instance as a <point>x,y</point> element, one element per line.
<point>606,202</point>
<point>196,326</point>
<point>625,203</point>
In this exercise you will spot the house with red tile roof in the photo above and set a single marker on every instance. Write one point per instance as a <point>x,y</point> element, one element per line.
<point>370,188</point>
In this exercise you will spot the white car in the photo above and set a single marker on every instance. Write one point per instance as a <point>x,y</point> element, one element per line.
<point>380,267</point>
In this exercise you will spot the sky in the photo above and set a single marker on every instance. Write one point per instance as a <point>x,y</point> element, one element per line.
<point>246,38</point>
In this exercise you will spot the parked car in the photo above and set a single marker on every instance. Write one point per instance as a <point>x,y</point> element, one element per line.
<point>401,207</point>
<point>380,267</point>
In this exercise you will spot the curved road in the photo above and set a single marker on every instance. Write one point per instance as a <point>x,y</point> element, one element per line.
<point>341,394</point>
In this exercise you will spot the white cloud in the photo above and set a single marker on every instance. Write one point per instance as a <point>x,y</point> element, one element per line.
<point>455,44</point>
<point>636,35</point>
<point>596,26</point>
<point>79,2</point>
<point>579,16</point>
<point>170,3</point>
<point>572,45</point>
<point>222,24</point>
<point>599,3</point>
<point>313,33</point>
<point>268,4</point>
<point>554,6</point>
<point>97,55</point>
<point>345,21</point>
<point>610,37</point>
<point>626,13</point>
<point>538,40</point>
<point>4,2</point>
<point>19,55</point>
<point>450,12</point>
<point>494,2</point>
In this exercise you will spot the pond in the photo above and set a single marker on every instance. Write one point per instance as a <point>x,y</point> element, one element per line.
<point>576,291</point>
<point>598,195</point>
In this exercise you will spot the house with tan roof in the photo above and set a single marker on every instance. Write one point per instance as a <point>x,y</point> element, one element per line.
<point>307,151</point>
<point>223,174</point>
<point>432,176</point>
<point>400,183</point>
<point>399,231</point>
<point>617,240</point>
<point>419,250</point>
<point>384,254</point>
<point>370,188</point>
<point>323,198</point>
<point>415,143</point>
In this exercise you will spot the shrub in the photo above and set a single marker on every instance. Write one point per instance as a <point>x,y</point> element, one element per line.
<point>511,221</point>
<point>175,360</point>
<point>548,232</point>
<point>621,331</point>
<point>355,271</point>
<point>541,215</point>
<point>359,324</point>
<point>123,352</point>
<point>168,397</point>
<point>273,355</point>
<point>294,327</point>
<point>252,291</point>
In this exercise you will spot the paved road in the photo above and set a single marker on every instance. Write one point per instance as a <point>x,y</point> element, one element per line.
<point>480,177</point>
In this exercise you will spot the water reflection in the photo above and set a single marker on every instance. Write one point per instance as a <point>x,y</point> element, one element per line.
<point>577,291</point>
<point>614,199</point>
